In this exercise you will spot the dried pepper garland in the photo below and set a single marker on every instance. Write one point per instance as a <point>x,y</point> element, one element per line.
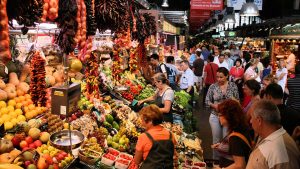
<point>37,80</point>
<point>92,77</point>
<point>112,14</point>
<point>133,60</point>
<point>146,26</point>
<point>116,67</point>
<point>90,17</point>
<point>25,12</point>
<point>68,26</point>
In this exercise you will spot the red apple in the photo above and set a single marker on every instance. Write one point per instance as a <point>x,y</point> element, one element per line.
<point>25,148</point>
<point>48,159</point>
<point>32,145</point>
<point>23,144</point>
<point>64,154</point>
<point>37,143</point>
<point>59,157</point>
<point>74,117</point>
<point>29,140</point>
<point>27,163</point>
<point>16,141</point>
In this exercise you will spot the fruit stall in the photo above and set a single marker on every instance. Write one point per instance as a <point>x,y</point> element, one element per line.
<point>67,92</point>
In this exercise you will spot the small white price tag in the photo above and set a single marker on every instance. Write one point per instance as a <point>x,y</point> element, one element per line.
<point>6,70</point>
<point>63,110</point>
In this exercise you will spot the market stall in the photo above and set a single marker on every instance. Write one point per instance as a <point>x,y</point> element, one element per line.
<point>68,92</point>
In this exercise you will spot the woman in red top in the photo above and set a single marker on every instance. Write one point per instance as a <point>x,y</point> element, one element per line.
<point>209,75</point>
<point>156,147</point>
<point>237,74</point>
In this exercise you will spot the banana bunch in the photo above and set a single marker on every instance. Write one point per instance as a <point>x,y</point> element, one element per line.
<point>10,166</point>
<point>17,161</point>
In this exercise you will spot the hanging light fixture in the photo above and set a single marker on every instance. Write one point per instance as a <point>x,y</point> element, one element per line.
<point>229,19</point>
<point>165,4</point>
<point>249,9</point>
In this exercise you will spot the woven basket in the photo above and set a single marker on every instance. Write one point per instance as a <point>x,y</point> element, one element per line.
<point>87,160</point>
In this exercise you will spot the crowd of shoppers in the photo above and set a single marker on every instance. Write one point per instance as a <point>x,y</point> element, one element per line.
<point>253,112</point>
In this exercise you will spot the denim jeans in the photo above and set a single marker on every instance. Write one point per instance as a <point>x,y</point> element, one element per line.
<point>218,132</point>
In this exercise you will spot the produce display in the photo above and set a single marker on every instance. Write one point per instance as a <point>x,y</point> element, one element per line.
<point>50,10</point>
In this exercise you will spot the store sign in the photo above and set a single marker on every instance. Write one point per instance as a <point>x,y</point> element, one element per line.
<point>199,13</point>
<point>215,36</point>
<point>207,4</point>
<point>167,27</point>
<point>237,4</point>
<point>230,33</point>
<point>222,34</point>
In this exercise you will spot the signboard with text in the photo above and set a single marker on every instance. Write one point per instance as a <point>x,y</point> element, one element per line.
<point>207,4</point>
<point>237,4</point>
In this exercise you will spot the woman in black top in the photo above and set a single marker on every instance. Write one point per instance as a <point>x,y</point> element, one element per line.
<point>234,148</point>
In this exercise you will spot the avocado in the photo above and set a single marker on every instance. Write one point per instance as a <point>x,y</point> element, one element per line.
<point>115,125</point>
<point>109,118</point>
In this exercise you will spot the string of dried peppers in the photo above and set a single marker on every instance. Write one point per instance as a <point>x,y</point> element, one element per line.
<point>37,80</point>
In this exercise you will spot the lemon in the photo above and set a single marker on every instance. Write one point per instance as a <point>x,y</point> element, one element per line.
<point>14,121</point>
<point>11,103</point>
<point>3,111</point>
<point>5,117</point>
<point>21,118</point>
<point>10,108</point>
<point>8,125</point>
<point>19,105</point>
<point>18,111</point>
<point>13,115</point>
<point>2,104</point>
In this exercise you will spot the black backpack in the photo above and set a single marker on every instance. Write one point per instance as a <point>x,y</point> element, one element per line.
<point>170,73</point>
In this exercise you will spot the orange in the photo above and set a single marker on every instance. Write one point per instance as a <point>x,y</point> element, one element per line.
<point>25,103</point>
<point>11,103</point>
<point>31,106</point>
<point>22,98</point>
<point>19,105</point>
<point>17,99</point>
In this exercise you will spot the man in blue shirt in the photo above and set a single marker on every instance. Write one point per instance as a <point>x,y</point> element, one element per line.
<point>187,78</point>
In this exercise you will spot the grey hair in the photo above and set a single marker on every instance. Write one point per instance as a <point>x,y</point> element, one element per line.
<point>268,111</point>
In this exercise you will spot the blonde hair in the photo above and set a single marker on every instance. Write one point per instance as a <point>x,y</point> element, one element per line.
<point>253,61</point>
<point>151,113</point>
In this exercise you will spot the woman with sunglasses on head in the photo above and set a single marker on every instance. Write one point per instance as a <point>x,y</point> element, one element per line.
<point>235,147</point>
<point>163,97</point>
<point>221,90</point>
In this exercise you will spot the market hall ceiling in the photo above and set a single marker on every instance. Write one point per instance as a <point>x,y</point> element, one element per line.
<point>175,11</point>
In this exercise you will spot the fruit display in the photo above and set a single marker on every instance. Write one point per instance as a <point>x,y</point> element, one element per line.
<point>86,124</point>
<point>148,91</point>
<point>54,123</point>
<point>91,149</point>
<point>37,80</point>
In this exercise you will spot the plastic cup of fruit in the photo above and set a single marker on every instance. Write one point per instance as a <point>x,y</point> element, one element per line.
<point>122,164</point>
<point>108,159</point>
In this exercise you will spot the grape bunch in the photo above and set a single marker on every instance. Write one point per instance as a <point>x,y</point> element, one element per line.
<point>100,134</point>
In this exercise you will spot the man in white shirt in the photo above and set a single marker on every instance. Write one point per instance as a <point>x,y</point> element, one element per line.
<point>187,78</point>
<point>275,148</point>
<point>221,61</point>
<point>290,61</point>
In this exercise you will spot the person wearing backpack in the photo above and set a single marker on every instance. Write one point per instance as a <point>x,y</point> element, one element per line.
<point>172,72</point>
<point>158,67</point>
<point>235,148</point>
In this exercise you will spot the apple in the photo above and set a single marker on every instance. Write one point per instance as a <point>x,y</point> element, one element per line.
<point>23,144</point>
<point>37,143</point>
<point>16,141</point>
<point>27,163</point>
<point>28,156</point>
<point>29,140</point>
<point>32,145</point>
<point>25,148</point>
<point>48,159</point>
<point>64,154</point>
<point>74,117</point>
<point>60,157</point>
<point>44,137</point>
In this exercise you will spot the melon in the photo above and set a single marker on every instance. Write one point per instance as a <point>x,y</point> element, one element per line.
<point>76,65</point>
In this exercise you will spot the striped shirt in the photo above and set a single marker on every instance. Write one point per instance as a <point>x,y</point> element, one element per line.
<point>294,92</point>
<point>277,151</point>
